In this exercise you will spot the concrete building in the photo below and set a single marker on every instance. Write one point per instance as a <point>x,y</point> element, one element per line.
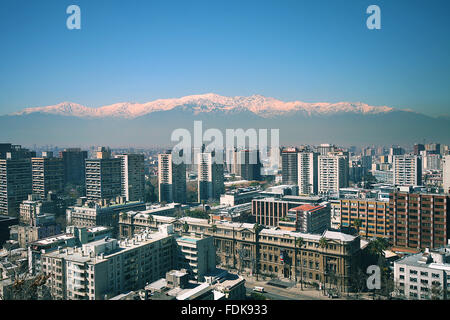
<point>171,179</point>
<point>332,173</point>
<point>103,176</point>
<point>407,170</point>
<point>132,176</point>
<point>105,268</point>
<point>239,196</point>
<point>419,220</point>
<point>33,207</point>
<point>307,218</point>
<point>74,165</point>
<point>48,174</point>
<point>248,165</point>
<point>446,174</point>
<point>5,223</point>
<point>197,255</point>
<point>15,183</point>
<point>210,177</point>
<point>42,226</point>
<point>93,214</point>
<point>373,214</point>
<point>423,276</point>
<point>270,211</point>
<point>308,172</point>
<point>289,165</point>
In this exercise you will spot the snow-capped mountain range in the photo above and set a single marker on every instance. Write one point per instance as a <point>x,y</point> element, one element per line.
<point>262,106</point>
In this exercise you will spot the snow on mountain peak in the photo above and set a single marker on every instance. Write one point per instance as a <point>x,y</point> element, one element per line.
<point>258,104</point>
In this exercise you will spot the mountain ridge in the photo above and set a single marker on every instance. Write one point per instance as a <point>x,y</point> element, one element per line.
<point>260,105</point>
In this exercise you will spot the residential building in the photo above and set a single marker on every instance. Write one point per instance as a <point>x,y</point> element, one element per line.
<point>419,220</point>
<point>407,170</point>
<point>48,174</point>
<point>105,268</point>
<point>74,165</point>
<point>308,172</point>
<point>34,206</point>
<point>15,180</point>
<point>210,177</point>
<point>103,176</point>
<point>332,173</point>
<point>132,176</point>
<point>289,165</point>
<point>171,179</point>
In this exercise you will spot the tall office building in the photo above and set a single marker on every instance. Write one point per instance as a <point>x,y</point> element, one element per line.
<point>249,164</point>
<point>210,177</point>
<point>332,173</point>
<point>171,179</point>
<point>396,151</point>
<point>289,166</point>
<point>433,148</point>
<point>103,176</point>
<point>48,174</point>
<point>407,170</point>
<point>132,176</point>
<point>74,165</point>
<point>325,148</point>
<point>446,174</point>
<point>15,178</point>
<point>308,176</point>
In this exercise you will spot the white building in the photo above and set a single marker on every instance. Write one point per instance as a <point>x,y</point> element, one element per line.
<point>107,267</point>
<point>423,276</point>
<point>333,173</point>
<point>171,179</point>
<point>210,177</point>
<point>407,170</point>
<point>307,172</point>
<point>133,176</point>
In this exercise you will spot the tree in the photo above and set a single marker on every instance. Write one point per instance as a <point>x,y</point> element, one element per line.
<point>299,243</point>
<point>185,227</point>
<point>323,243</point>
<point>357,224</point>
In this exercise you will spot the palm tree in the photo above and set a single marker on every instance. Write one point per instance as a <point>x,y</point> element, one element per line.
<point>299,242</point>
<point>323,243</point>
<point>357,224</point>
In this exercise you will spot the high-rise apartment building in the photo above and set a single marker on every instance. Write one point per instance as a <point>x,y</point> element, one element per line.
<point>74,165</point>
<point>332,173</point>
<point>103,176</point>
<point>407,170</point>
<point>171,179</point>
<point>419,220</point>
<point>289,166</point>
<point>210,177</point>
<point>308,176</point>
<point>48,174</point>
<point>248,165</point>
<point>132,176</point>
<point>15,178</point>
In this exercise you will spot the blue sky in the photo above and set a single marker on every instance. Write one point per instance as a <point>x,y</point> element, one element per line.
<point>139,50</point>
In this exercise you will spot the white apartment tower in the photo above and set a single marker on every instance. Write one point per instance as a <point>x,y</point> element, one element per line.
<point>407,170</point>
<point>210,177</point>
<point>332,173</point>
<point>133,176</point>
<point>171,179</point>
<point>307,172</point>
